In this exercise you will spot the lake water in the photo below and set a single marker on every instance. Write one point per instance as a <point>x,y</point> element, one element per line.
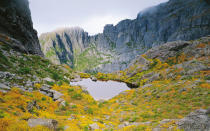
<point>102,90</point>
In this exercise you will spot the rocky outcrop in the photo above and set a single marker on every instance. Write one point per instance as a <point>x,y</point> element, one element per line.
<point>16,27</point>
<point>198,120</point>
<point>118,45</point>
<point>172,53</point>
<point>50,123</point>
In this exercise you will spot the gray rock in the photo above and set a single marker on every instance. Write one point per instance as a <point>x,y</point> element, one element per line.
<point>50,123</point>
<point>84,89</point>
<point>198,120</point>
<point>16,19</point>
<point>93,126</point>
<point>147,85</point>
<point>130,38</point>
<point>123,125</point>
<point>93,78</point>
<point>66,127</point>
<point>32,105</point>
<point>46,90</point>
<point>48,79</point>
<point>56,94</point>
<point>4,87</point>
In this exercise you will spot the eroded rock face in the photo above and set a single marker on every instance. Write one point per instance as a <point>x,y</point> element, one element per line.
<point>16,26</point>
<point>118,45</point>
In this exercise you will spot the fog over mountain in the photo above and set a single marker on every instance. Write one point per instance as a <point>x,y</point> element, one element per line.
<point>91,15</point>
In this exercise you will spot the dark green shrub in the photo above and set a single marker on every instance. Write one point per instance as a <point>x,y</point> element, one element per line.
<point>77,96</point>
<point>24,70</point>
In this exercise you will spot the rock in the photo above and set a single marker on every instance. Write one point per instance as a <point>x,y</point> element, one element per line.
<point>198,120</point>
<point>48,79</point>
<point>16,19</point>
<point>4,87</point>
<point>147,85</point>
<point>66,127</point>
<point>7,75</point>
<point>46,90</point>
<point>94,126</point>
<point>71,118</point>
<point>182,90</point>
<point>164,121</point>
<point>84,89</point>
<point>93,78</point>
<point>56,94</point>
<point>32,105</point>
<point>107,117</point>
<point>132,85</point>
<point>123,125</point>
<point>96,120</point>
<point>63,103</point>
<point>29,84</point>
<point>130,38</point>
<point>3,91</point>
<point>50,123</point>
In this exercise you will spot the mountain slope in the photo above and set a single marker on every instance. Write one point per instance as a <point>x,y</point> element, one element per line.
<point>118,45</point>
<point>35,94</point>
<point>16,25</point>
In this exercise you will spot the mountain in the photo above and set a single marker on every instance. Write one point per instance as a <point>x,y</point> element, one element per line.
<point>118,45</point>
<point>16,27</point>
<point>171,81</point>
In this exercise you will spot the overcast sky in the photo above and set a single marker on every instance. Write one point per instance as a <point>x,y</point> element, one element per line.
<point>91,15</point>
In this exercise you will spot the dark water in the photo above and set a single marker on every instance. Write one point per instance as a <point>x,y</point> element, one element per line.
<point>102,89</point>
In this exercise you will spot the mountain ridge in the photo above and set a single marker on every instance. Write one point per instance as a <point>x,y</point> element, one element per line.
<point>129,38</point>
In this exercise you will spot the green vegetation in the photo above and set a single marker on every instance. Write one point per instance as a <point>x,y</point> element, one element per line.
<point>50,53</point>
<point>87,61</point>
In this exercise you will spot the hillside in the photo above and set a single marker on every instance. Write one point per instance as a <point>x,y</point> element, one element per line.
<point>36,95</point>
<point>118,45</point>
<point>169,78</point>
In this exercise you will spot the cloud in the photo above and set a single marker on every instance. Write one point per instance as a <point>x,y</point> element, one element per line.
<point>92,15</point>
<point>96,24</point>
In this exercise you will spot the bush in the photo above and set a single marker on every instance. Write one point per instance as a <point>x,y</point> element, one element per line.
<point>90,111</point>
<point>24,70</point>
<point>55,76</point>
<point>1,114</point>
<point>70,90</point>
<point>77,96</point>
<point>43,98</point>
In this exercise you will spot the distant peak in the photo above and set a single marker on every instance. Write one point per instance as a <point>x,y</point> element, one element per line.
<point>64,29</point>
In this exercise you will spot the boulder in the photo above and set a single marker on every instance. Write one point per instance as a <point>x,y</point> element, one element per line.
<point>4,87</point>
<point>198,120</point>
<point>48,79</point>
<point>50,123</point>
<point>94,126</point>
<point>93,78</point>
<point>56,94</point>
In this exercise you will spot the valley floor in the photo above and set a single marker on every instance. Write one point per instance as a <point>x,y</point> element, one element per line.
<point>36,95</point>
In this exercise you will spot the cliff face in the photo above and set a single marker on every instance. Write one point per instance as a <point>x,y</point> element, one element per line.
<point>174,20</point>
<point>16,25</point>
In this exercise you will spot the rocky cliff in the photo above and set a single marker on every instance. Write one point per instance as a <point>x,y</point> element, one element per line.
<point>118,45</point>
<point>16,27</point>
